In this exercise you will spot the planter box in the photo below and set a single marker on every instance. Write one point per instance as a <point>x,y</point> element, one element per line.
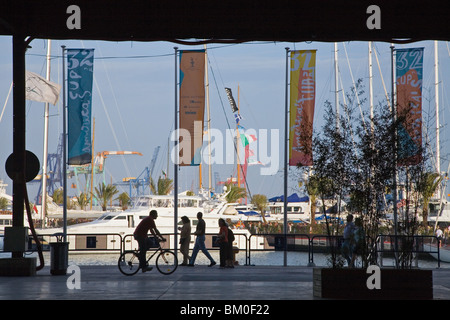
<point>17,267</point>
<point>352,284</point>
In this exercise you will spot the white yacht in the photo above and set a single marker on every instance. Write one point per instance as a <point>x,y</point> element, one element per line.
<point>439,212</point>
<point>108,230</point>
<point>298,208</point>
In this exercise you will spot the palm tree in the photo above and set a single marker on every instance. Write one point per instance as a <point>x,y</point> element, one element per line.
<point>124,200</point>
<point>427,187</point>
<point>104,194</point>
<point>312,187</point>
<point>164,186</point>
<point>3,203</point>
<point>260,202</point>
<point>83,200</point>
<point>58,196</point>
<point>235,193</point>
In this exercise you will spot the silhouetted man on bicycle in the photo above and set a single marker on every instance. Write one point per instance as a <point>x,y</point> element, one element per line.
<point>140,234</point>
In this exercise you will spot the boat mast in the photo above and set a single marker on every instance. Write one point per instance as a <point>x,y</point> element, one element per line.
<point>92,164</point>
<point>237,144</point>
<point>336,86</point>
<point>436,88</point>
<point>44,165</point>
<point>208,114</point>
<point>370,85</point>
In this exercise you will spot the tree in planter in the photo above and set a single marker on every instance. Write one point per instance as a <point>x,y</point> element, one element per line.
<point>332,165</point>
<point>104,193</point>
<point>374,161</point>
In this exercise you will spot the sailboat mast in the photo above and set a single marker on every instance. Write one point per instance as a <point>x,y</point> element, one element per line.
<point>436,88</point>
<point>208,114</point>
<point>45,157</point>
<point>237,146</point>
<point>92,164</point>
<point>370,85</point>
<point>336,80</point>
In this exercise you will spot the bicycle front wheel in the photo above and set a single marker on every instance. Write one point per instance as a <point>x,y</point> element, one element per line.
<point>166,262</point>
<point>128,263</point>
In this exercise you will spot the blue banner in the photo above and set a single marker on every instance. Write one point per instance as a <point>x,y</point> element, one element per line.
<point>80,68</point>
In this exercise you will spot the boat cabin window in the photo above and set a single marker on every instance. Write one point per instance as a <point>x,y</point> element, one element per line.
<point>275,210</point>
<point>5,222</point>
<point>120,218</point>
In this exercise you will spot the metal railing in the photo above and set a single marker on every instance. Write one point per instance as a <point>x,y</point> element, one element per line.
<point>82,242</point>
<point>311,244</point>
<point>414,245</point>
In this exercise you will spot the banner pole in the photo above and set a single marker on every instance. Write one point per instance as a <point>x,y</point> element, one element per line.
<point>64,169</point>
<point>394,119</point>
<point>286,157</point>
<point>175,166</point>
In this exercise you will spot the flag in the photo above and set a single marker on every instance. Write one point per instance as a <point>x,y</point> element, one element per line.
<point>80,67</point>
<point>237,117</point>
<point>41,90</point>
<point>242,135</point>
<point>302,99</point>
<point>409,75</point>
<point>192,106</point>
<point>234,108</point>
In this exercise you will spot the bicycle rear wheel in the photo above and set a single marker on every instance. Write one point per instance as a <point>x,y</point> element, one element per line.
<point>128,263</point>
<point>166,262</point>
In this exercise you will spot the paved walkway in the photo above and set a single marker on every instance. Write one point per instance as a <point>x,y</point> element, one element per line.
<point>199,283</point>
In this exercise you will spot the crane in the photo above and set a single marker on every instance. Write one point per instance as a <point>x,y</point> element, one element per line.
<point>99,163</point>
<point>139,184</point>
<point>101,156</point>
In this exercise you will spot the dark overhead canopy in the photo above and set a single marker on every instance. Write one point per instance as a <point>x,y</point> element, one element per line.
<point>227,20</point>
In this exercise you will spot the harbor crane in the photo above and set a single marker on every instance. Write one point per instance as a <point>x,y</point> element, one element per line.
<point>139,184</point>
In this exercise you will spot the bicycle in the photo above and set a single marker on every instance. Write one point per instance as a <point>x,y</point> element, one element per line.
<point>166,261</point>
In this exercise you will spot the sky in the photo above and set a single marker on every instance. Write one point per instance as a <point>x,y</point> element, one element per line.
<point>134,99</point>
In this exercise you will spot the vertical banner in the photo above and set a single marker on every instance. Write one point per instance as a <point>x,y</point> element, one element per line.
<point>301,105</point>
<point>192,106</point>
<point>409,74</point>
<point>80,68</point>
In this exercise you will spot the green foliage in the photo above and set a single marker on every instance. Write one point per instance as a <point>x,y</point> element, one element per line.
<point>58,196</point>
<point>164,186</point>
<point>124,200</point>
<point>83,200</point>
<point>3,203</point>
<point>104,193</point>
<point>235,193</point>
<point>260,202</point>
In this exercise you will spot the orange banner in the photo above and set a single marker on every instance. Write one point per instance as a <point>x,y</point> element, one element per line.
<point>302,100</point>
<point>192,106</point>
